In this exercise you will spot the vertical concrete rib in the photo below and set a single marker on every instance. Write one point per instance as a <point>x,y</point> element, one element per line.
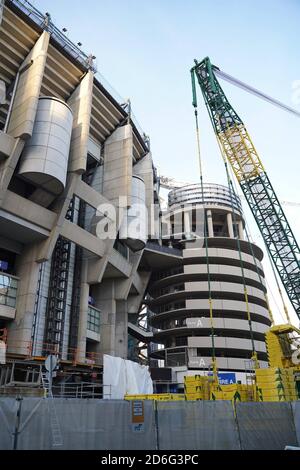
<point>28,90</point>
<point>80,103</point>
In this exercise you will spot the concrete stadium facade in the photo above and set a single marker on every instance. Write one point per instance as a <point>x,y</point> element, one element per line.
<point>67,146</point>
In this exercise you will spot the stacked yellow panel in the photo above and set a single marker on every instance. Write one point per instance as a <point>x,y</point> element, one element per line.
<point>290,384</point>
<point>233,392</point>
<point>197,387</point>
<point>157,397</point>
<point>276,384</point>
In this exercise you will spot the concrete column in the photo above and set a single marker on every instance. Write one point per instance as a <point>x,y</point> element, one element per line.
<point>121,335</point>
<point>104,296</point>
<point>83,314</point>
<point>230,225</point>
<point>144,169</point>
<point>118,155</point>
<point>81,104</point>
<point>19,332</point>
<point>241,230</point>
<point>187,222</point>
<point>210,223</point>
<point>166,227</point>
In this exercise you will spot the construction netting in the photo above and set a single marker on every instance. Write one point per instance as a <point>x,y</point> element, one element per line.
<point>89,424</point>
<point>266,426</point>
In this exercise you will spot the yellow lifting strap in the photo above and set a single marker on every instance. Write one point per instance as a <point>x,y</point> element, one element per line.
<point>214,362</point>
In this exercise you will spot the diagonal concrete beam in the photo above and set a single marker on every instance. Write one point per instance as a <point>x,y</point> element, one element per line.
<point>89,195</point>
<point>124,285</point>
<point>82,238</point>
<point>47,247</point>
<point>8,166</point>
<point>96,267</point>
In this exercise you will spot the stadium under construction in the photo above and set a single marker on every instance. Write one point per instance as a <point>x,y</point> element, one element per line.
<point>101,287</point>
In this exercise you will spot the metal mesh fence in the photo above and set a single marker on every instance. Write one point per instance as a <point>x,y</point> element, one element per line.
<point>193,425</point>
<point>266,426</point>
<point>90,424</point>
<point>8,416</point>
<point>84,425</point>
<point>296,415</point>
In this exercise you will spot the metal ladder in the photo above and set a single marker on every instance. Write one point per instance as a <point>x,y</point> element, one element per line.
<point>250,380</point>
<point>57,440</point>
<point>46,385</point>
<point>58,290</point>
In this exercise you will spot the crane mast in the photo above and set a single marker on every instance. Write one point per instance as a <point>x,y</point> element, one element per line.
<point>238,149</point>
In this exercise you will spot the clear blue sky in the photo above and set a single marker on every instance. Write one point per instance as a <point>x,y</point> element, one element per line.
<point>145,50</point>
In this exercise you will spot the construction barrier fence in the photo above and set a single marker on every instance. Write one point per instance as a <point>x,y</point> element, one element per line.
<point>91,424</point>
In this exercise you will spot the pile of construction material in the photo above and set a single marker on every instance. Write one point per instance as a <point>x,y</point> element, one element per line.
<point>201,387</point>
<point>276,384</point>
<point>157,397</point>
<point>197,387</point>
<point>272,384</point>
<point>233,392</point>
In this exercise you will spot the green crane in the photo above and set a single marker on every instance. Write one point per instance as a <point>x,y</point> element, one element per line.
<point>237,148</point>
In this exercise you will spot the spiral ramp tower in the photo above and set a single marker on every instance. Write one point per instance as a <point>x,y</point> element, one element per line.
<point>179,296</point>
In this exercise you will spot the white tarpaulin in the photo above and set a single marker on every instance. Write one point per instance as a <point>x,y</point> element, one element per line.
<point>2,352</point>
<point>121,377</point>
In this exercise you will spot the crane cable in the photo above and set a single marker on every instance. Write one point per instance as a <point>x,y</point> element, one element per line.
<point>275,276</point>
<point>214,362</point>
<point>260,277</point>
<point>231,190</point>
<point>280,291</point>
<point>252,254</point>
<point>268,285</point>
<point>254,353</point>
<point>254,91</point>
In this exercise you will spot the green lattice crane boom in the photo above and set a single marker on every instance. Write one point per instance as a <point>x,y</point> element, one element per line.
<point>239,151</point>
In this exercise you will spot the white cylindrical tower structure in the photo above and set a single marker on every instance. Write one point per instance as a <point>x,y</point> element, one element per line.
<point>179,298</point>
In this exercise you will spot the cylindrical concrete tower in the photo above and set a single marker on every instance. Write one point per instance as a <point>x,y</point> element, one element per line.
<point>179,296</point>
<point>133,229</point>
<point>45,157</point>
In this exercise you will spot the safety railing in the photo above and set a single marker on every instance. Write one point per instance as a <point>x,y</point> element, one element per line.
<point>40,350</point>
<point>80,390</point>
<point>163,249</point>
<point>176,359</point>
<point>44,22</point>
